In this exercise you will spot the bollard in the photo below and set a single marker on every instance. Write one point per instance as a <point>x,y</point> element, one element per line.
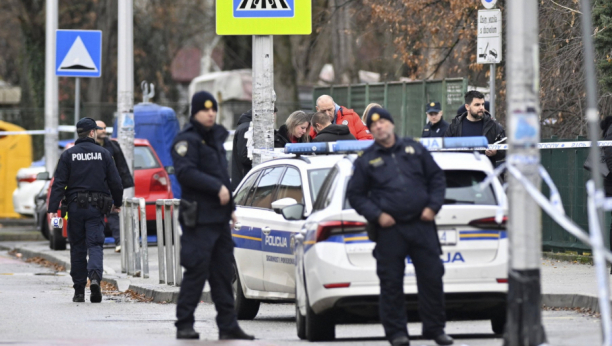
<point>144,238</point>
<point>136,236</point>
<point>169,241</point>
<point>122,237</point>
<point>169,246</point>
<point>176,230</point>
<point>129,239</point>
<point>160,240</point>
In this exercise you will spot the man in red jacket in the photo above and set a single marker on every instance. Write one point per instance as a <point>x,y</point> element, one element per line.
<point>339,115</point>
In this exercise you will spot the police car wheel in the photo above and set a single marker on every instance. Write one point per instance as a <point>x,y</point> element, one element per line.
<point>246,309</point>
<point>300,322</point>
<point>44,227</point>
<point>56,240</point>
<point>320,327</point>
<point>498,324</point>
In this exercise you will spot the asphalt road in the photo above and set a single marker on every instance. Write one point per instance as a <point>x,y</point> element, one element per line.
<point>37,309</point>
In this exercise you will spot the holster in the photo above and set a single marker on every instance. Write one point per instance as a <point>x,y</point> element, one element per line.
<point>64,207</point>
<point>189,212</point>
<point>105,204</point>
<point>372,231</point>
<point>82,200</point>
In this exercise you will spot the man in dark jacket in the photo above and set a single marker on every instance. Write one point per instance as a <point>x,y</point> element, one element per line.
<point>328,132</point>
<point>476,122</point>
<point>207,207</point>
<point>398,187</point>
<point>124,172</point>
<point>436,126</point>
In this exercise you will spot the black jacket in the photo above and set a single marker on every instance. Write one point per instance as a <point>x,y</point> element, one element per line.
<point>281,137</point>
<point>241,164</point>
<point>201,169</point>
<point>122,167</point>
<point>400,181</point>
<point>334,133</point>
<point>490,129</point>
<point>607,136</point>
<point>436,130</point>
<point>86,167</point>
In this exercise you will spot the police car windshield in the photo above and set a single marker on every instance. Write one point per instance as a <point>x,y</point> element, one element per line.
<point>462,188</point>
<point>144,158</point>
<point>315,179</point>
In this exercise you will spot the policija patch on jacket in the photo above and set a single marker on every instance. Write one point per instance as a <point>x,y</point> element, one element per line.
<point>181,148</point>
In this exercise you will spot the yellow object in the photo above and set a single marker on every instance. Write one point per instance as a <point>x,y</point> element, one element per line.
<point>15,153</point>
<point>375,117</point>
<point>208,104</point>
<point>234,19</point>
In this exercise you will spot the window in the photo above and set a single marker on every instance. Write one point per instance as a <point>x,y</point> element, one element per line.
<point>316,177</point>
<point>262,198</point>
<point>241,195</point>
<point>291,186</point>
<point>323,198</point>
<point>462,188</point>
<point>144,158</point>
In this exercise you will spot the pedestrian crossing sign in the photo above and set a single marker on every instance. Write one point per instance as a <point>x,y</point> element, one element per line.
<point>78,53</point>
<point>264,17</point>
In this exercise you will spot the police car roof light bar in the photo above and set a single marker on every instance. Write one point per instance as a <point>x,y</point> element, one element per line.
<point>306,148</point>
<point>350,146</point>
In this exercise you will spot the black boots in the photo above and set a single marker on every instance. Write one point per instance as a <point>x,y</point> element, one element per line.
<point>78,298</point>
<point>400,341</point>
<point>236,334</point>
<point>443,339</point>
<point>188,333</point>
<point>96,291</point>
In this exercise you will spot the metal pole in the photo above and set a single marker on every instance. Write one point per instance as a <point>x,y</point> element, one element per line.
<point>263,95</point>
<point>51,89</point>
<point>128,247</point>
<point>492,90</point>
<point>524,319</point>
<point>159,222</point>
<point>77,101</point>
<point>125,84</point>
<point>143,238</point>
<point>136,237</point>
<point>176,231</point>
<point>122,236</point>
<point>168,248</point>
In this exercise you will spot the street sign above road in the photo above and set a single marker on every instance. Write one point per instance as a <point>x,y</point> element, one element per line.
<point>78,53</point>
<point>264,17</point>
<point>489,47</point>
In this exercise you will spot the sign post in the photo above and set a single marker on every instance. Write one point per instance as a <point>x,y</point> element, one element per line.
<point>51,89</point>
<point>262,19</point>
<point>489,47</point>
<point>78,54</point>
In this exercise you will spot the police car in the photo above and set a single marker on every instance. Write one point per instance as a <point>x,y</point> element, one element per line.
<point>336,279</point>
<point>264,261</point>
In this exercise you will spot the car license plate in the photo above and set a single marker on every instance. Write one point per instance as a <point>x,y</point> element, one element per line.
<point>447,237</point>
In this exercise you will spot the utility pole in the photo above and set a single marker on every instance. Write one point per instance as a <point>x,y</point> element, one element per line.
<point>524,319</point>
<point>51,89</point>
<point>263,95</point>
<point>125,84</point>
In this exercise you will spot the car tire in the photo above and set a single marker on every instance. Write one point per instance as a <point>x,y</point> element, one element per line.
<point>321,327</point>
<point>246,309</point>
<point>498,324</point>
<point>57,241</point>
<point>44,227</point>
<point>300,322</point>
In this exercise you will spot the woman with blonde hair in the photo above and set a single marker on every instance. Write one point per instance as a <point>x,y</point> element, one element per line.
<point>295,130</point>
<point>367,110</point>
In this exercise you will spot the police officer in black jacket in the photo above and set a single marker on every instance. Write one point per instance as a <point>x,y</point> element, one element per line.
<point>207,207</point>
<point>436,126</point>
<point>84,175</point>
<point>399,188</point>
<point>124,172</point>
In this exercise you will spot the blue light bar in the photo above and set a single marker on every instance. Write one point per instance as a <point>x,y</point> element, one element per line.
<point>351,145</point>
<point>454,142</point>
<point>306,148</point>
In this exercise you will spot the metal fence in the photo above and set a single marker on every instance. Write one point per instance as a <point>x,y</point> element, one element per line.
<point>168,241</point>
<point>406,101</point>
<point>133,237</point>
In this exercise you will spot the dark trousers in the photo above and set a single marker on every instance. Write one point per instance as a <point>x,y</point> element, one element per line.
<point>207,253</point>
<point>113,224</point>
<point>86,235</point>
<point>419,240</point>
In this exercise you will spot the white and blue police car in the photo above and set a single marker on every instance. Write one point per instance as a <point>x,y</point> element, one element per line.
<point>335,272</point>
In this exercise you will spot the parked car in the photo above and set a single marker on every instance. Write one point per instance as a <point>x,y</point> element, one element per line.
<point>151,183</point>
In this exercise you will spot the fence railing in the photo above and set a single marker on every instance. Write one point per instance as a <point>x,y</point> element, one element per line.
<point>133,230</point>
<point>168,241</point>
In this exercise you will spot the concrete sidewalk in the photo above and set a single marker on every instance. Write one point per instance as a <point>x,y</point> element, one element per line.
<point>564,284</point>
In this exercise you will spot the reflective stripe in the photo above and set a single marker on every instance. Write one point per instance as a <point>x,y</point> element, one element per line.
<point>245,237</point>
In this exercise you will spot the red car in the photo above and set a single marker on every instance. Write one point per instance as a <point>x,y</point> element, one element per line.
<point>152,183</point>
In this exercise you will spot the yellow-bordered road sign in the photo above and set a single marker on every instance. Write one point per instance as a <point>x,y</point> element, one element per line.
<point>264,17</point>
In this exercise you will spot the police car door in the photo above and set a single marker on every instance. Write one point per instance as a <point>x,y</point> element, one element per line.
<point>279,269</point>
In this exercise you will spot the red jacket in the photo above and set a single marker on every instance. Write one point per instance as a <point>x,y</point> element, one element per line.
<point>348,117</point>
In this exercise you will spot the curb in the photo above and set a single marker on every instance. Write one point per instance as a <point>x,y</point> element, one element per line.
<point>568,257</point>
<point>20,235</point>
<point>571,301</point>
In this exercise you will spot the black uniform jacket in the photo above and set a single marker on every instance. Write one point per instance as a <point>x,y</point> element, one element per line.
<point>490,129</point>
<point>241,164</point>
<point>400,181</point>
<point>436,130</point>
<point>201,169</point>
<point>122,167</point>
<point>334,133</point>
<point>86,167</point>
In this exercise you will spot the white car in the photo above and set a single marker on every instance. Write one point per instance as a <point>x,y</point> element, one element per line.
<point>27,189</point>
<point>336,279</point>
<point>263,252</point>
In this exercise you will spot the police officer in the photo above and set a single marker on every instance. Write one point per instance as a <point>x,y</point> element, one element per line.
<point>436,126</point>
<point>206,209</point>
<point>83,176</point>
<point>398,188</point>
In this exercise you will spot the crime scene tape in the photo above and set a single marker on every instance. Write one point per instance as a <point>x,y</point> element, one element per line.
<point>61,128</point>
<point>557,145</point>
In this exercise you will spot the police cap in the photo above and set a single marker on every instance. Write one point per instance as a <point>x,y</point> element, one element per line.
<point>86,125</point>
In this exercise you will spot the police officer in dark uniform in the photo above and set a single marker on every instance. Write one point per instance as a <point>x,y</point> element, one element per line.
<point>84,175</point>
<point>436,126</point>
<point>207,206</point>
<point>399,188</point>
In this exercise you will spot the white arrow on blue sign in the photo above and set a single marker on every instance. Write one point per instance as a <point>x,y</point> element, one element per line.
<point>78,53</point>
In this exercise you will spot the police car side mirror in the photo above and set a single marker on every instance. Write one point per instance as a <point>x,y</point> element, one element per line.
<point>169,169</point>
<point>43,176</point>
<point>278,205</point>
<point>293,212</point>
